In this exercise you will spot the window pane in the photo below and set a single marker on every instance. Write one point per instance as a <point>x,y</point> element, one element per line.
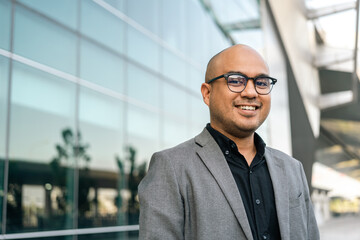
<point>99,24</point>
<point>217,42</point>
<point>42,155</point>
<point>175,68</point>
<point>101,124</point>
<point>199,115</point>
<point>143,132</point>
<point>5,24</point>
<point>4,79</point>
<point>173,24</point>
<point>101,67</point>
<point>175,101</point>
<point>143,86</point>
<point>145,12</point>
<point>142,141</point>
<point>56,10</point>
<point>196,78</point>
<point>254,38</point>
<point>174,132</point>
<point>44,41</point>
<point>196,19</point>
<point>142,49</point>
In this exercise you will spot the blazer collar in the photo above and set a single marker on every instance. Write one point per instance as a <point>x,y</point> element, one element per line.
<point>281,191</point>
<point>215,161</point>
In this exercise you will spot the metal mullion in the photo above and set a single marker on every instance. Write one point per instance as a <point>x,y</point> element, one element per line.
<point>70,232</point>
<point>77,124</point>
<point>7,140</point>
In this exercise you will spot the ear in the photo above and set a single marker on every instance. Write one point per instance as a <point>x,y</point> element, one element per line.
<point>205,91</point>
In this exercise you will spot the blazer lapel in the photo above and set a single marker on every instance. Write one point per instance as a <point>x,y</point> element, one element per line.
<point>215,161</point>
<point>281,191</point>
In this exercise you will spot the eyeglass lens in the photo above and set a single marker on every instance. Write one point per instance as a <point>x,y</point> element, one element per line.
<point>237,83</point>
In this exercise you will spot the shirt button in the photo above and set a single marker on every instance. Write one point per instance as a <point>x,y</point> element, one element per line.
<point>227,152</point>
<point>250,172</point>
<point>258,202</point>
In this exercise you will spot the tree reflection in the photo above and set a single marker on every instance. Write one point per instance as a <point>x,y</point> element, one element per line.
<point>71,155</point>
<point>45,196</point>
<point>132,180</point>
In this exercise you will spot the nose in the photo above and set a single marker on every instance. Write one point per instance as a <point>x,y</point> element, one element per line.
<point>249,91</point>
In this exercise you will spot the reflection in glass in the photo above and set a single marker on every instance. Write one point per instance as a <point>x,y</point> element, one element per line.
<point>5,19</point>
<point>175,68</point>
<point>196,78</point>
<point>127,199</point>
<point>42,109</point>
<point>108,184</point>
<point>142,49</point>
<point>197,41</point>
<point>175,101</point>
<point>133,235</point>
<point>253,37</point>
<point>101,67</point>
<point>175,131</point>
<point>147,15</point>
<point>72,148</point>
<point>143,86</point>
<point>101,125</point>
<point>143,132</point>
<point>117,4</point>
<point>4,79</point>
<point>173,17</point>
<point>199,115</point>
<point>217,42</point>
<point>56,10</point>
<point>52,45</point>
<point>102,26</point>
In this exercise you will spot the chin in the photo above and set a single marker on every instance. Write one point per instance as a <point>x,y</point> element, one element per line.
<point>242,131</point>
<point>250,128</point>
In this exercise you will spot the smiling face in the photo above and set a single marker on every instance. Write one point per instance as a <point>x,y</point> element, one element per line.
<point>236,114</point>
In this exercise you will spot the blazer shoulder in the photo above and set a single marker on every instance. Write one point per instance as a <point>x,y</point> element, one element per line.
<point>179,151</point>
<point>277,154</point>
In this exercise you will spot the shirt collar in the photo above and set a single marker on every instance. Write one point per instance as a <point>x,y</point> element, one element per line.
<point>225,143</point>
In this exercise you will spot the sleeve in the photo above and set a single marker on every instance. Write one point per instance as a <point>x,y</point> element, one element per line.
<point>312,227</point>
<point>161,204</point>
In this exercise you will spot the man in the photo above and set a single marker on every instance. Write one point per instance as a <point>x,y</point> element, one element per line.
<point>224,183</point>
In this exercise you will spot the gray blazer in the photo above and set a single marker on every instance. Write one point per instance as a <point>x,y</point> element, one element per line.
<point>190,193</point>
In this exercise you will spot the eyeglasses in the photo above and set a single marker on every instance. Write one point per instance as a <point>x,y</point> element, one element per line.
<point>237,82</point>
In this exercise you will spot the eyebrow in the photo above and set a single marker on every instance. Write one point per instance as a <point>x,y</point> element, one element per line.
<point>259,75</point>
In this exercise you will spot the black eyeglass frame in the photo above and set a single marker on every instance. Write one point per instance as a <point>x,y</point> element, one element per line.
<point>226,76</point>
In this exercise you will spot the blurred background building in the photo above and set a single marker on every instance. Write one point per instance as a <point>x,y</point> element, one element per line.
<point>89,89</point>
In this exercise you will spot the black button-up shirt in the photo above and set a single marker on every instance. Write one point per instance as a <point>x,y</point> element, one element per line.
<point>254,184</point>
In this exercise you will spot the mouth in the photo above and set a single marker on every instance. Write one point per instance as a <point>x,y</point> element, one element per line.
<point>248,107</point>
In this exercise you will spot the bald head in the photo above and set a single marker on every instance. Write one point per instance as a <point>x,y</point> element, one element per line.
<point>216,64</point>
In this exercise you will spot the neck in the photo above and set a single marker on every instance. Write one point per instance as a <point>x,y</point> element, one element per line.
<point>245,144</point>
<point>246,147</point>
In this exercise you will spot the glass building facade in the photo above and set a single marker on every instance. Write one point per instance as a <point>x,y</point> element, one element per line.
<point>88,91</point>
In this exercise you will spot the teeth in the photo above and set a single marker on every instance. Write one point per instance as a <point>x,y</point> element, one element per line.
<point>247,108</point>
